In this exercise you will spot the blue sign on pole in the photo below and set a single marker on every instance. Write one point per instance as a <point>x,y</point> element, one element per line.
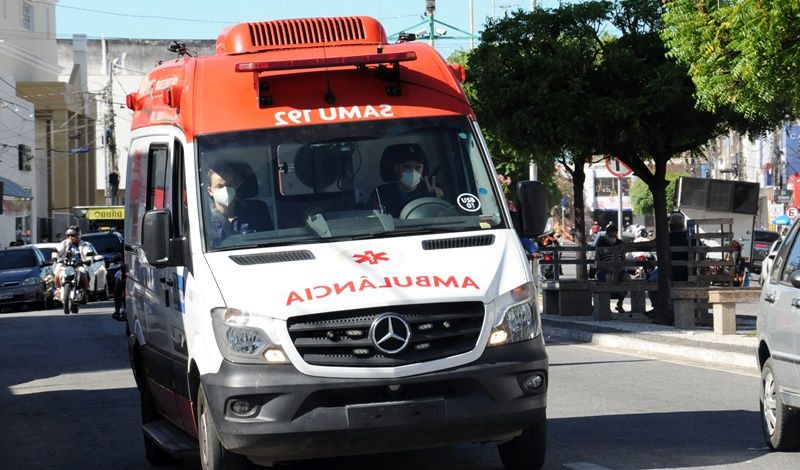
<point>79,150</point>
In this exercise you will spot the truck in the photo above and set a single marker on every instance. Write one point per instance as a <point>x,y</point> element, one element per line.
<point>715,199</point>
<point>320,260</point>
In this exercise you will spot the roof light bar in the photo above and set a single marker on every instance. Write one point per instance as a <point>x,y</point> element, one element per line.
<point>275,65</point>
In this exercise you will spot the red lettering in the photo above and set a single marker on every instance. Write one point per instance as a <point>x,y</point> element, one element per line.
<point>293,297</point>
<point>449,282</point>
<point>407,282</point>
<point>366,284</point>
<point>423,281</point>
<point>341,288</point>
<point>325,289</point>
<point>387,282</point>
<point>468,282</point>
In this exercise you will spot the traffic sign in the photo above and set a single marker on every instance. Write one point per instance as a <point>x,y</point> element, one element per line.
<point>775,209</point>
<point>617,168</point>
<point>791,212</point>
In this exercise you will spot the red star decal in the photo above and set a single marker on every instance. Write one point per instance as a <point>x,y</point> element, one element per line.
<point>371,257</point>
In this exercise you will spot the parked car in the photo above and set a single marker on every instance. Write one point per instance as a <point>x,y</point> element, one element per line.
<point>98,283</point>
<point>108,245</point>
<point>778,330</point>
<point>766,267</point>
<point>22,278</point>
<point>762,239</point>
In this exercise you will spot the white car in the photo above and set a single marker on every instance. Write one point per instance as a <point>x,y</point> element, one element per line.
<point>766,265</point>
<point>98,287</point>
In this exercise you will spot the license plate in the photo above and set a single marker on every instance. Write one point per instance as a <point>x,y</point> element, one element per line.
<point>6,296</point>
<point>395,413</point>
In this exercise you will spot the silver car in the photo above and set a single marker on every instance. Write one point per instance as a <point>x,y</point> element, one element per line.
<point>778,329</point>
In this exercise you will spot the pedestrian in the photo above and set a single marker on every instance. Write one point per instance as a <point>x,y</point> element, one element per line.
<point>604,272</point>
<point>120,277</point>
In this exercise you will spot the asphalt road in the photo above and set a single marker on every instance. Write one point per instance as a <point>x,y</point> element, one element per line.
<point>67,401</point>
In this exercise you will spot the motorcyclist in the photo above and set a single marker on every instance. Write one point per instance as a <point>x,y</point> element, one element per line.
<point>73,248</point>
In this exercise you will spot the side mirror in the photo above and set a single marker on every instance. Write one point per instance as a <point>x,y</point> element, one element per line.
<point>532,207</point>
<point>98,258</point>
<point>795,278</point>
<point>156,231</point>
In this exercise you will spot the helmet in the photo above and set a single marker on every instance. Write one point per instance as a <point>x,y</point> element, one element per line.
<point>611,227</point>
<point>72,230</point>
<point>643,232</point>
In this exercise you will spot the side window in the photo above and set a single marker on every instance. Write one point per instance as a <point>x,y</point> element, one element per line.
<point>788,258</point>
<point>136,192</point>
<point>158,159</point>
<point>180,205</point>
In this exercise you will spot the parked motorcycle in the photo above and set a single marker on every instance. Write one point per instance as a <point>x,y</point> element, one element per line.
<point>71,291</point>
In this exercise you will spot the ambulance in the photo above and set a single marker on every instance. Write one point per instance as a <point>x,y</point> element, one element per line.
<point>320,259</point>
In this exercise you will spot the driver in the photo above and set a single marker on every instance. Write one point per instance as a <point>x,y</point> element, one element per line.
<point>73,248</point>
<point>229,214</point>
<point>411,183</point>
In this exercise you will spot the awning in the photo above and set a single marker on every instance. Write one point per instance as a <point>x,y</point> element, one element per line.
<point>13,190</point>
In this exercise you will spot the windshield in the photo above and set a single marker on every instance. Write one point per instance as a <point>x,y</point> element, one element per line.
<point>345,181</point>
<point>14,259</point>
<point>105,243</point>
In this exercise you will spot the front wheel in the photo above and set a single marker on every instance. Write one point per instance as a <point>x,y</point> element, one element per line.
<point>526,451</point>
<point>66,291</point>
<point>213,455</point>
<point>779,423</point>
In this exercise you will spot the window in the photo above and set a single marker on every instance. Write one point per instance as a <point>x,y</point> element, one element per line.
<point>27,16</point>
<point>788,259</point>
<point>24,156</point>
<point>157,177</point>
<point>180,205</point>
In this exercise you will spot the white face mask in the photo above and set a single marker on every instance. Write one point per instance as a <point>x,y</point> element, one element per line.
<point>225,195</point>
<point>410,179</point>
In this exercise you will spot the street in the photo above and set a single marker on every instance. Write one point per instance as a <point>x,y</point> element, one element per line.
<point>67,400</point>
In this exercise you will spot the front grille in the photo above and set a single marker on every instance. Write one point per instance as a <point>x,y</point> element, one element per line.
<point>11,284</point>
<point>342,338</point>
<point>460,242</point>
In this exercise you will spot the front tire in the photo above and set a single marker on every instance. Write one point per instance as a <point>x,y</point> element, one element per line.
<point>779,423</point>
<point>526,451</point>
<point>213,455</point>
<point>65,295</point>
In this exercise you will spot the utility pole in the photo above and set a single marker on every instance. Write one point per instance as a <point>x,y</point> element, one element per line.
<point>109,140</point>
<point>430,9</point>
<point>472,24</point>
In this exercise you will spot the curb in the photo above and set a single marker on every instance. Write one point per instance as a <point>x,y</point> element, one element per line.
<point>694,354</point>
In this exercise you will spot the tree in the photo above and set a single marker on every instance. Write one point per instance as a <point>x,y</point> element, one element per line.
<point>642,198</point>
<point>742,54</point>
<point>551,80</point>
<point>529,80</point>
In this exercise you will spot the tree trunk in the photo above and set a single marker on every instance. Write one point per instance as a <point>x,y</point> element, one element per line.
<point>578,181</point>
<point>658,186</point>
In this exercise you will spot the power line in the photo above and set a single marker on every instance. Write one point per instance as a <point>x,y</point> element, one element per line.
<point>133,15</point>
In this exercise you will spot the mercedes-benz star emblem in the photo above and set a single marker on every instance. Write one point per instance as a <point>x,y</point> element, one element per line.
<point>390,333</point>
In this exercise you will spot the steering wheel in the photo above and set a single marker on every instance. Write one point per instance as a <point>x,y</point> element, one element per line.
<point>427,207</point>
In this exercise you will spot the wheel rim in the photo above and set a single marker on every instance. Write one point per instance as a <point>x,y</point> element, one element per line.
<point>770,404</point>
<point>203,438</point>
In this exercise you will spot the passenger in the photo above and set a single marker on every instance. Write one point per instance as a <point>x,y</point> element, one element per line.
<point>411,183</point>
<point>603,272</point>
<point>229,215</point>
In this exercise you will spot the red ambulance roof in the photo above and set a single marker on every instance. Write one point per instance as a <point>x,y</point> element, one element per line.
<point>290,72</point>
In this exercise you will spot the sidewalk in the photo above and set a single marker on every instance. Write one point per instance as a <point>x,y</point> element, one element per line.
<point>637,334</point>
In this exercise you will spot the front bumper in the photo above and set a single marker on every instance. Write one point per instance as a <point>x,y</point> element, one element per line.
<point>299,416</point>
<point>21,294</point>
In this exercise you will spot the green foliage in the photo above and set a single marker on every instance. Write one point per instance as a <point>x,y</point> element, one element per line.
<point>741,54</point>
<point>642,197</point>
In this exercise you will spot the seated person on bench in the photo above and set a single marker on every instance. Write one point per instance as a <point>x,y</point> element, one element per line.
<point>406,164</point>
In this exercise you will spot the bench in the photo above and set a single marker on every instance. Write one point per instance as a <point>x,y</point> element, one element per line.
<point>601,296</point>
<point>724,305</point>
<point>685,302</point>
<point>566,297</point>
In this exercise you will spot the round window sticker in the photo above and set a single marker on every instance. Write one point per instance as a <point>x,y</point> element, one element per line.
<point>468,202</point>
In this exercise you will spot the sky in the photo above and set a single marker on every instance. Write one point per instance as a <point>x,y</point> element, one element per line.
<point>204,19</point>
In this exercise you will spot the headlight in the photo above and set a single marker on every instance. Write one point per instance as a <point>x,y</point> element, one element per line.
<point>240,342</point>
<point>518,318</point>
<point>31,281</point>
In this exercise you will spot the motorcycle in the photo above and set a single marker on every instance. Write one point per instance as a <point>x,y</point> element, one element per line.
<point>71,291</point>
